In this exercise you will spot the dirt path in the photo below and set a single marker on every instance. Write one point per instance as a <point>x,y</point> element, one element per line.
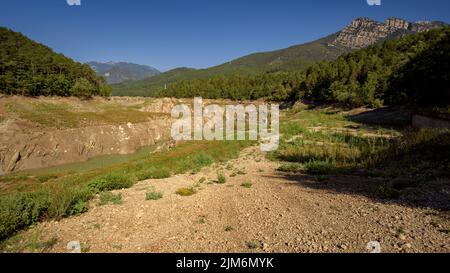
<point>274,215</point>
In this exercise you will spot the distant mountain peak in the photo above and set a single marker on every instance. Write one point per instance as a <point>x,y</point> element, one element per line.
<point>363,31</point>
<point>118,72</point>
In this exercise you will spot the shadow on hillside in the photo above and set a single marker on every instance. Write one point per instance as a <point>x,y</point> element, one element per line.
<point>413,171</point>
<point>386,116</point>
<point>433,194</point>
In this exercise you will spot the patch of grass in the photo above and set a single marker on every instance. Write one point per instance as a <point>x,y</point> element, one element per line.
<point>202,180</point>
<point>290,168</point>
<point>43,245</point>
<point>111,182</point>
<point>65,200</point>
<point>85,248</point>
<point>153,195</point>
<point>110,198</point>
<point>24,202</point>
<point>202,220</point>
<point>186,191</point>
<point>21,210</point>
<point>153,173</point>
<point>290,129</point>
<point>325,135</point>
<point>333,207</point>
<point>221,179</point>
<point>117,246</point>
<point>319,167</point>
<point>386,191</point>
<point>45,178</point>
<point>247,185</point>
<point>418,153</point>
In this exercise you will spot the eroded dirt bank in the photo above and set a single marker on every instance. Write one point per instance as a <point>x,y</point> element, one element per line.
<point>44,132</point>
<point>22,151</point>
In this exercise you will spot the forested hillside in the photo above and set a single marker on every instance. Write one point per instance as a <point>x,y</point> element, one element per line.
<point>289,59</point>
<point>413,68</point>
<point>31,69</point>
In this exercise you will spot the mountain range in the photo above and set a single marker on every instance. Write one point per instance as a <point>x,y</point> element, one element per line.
<point>360,33</point>
<point>118,72</point>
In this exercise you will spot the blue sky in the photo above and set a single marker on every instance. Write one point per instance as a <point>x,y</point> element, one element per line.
<point>193,33</point>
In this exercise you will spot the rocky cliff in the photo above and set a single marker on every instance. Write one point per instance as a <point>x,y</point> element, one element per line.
<point>364,32</point>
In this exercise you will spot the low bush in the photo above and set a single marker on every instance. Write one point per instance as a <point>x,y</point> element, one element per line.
<point>21,210</point>
<point>319,167</point>
<point>221,179</point>
<point>290,168</point>
<point>110,198</point>
<point>153,195</point>
<point>186,191</point>
<point>111,182</point>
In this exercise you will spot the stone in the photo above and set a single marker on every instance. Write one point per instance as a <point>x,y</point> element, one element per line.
<point>364,32</point>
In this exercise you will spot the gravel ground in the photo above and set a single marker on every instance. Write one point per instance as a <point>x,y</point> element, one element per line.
<point>276,214</point>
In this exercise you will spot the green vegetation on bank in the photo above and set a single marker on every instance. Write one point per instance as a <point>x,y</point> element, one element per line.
<point>322,142</point>
<point>68,193</point>
<point>28,68</point>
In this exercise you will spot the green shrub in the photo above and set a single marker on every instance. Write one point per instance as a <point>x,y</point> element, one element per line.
<point>186,191</point>
<point>110,198</point>
<point>65,200</point>
<point>319,167</point>
<point>221,179</point>
<point>153,195</point>
<point>20,210</point>
<point>247,185</point>
<point>290,168</point>
<point>111,182</point>
<point>202,160</point>
<point>78,208</point>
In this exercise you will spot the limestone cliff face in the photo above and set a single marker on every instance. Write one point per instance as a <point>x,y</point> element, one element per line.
<point>364,32</point>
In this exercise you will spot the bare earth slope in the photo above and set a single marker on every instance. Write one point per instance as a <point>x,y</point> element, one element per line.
<point>277,214</point>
